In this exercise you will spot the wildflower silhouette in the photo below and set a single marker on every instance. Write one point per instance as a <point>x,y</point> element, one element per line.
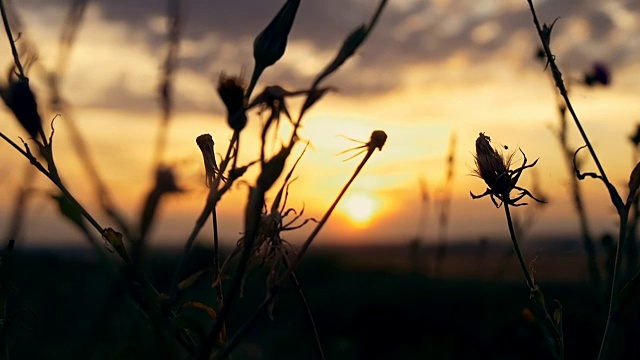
<point>494,168</point>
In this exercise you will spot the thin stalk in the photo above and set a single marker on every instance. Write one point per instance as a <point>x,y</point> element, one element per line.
<point>216,267</point>
<point>168,70</point>
<point>252,222</point>
<point>14,50</point>
<point>516,247</point>
<point>533,288</point>
<point>309,315</point>
<point>20,204</point>
<point>557,76</point>
<point>623,213</point>
<point>56,181</point>
<point>611,321</point>
<point>576,195</point>
<point>296,261</point>
<point>239,335</point>
<point>212,200</point>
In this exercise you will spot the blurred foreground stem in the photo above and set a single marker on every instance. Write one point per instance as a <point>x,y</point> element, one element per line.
<point>536,293</point>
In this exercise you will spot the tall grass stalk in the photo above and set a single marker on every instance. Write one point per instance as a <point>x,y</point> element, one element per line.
<point>495,169</point>
<point>444,207</point>
<point>536,293</point>
<point>166,83</point>
<point>575,189</point>
<point>544,33</point>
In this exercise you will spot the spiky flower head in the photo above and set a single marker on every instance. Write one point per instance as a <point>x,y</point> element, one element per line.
<point>491,165</point>
<point>494,168</point>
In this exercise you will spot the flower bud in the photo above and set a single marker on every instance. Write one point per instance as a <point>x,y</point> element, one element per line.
<point>205,143</point>
<point>270,44</point>
<point>231,91</point>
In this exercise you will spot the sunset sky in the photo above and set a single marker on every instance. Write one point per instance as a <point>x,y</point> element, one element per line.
<point>430,69</point>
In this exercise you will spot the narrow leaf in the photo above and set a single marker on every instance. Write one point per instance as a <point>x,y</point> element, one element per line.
<point>634,182</point>
<point>615,198</point>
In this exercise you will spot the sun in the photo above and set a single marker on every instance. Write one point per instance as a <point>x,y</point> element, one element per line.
<point>360,208</point>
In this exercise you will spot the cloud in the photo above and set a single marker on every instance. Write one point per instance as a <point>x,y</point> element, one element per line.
<point>217,36</point>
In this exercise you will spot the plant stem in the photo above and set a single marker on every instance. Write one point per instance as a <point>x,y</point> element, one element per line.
<point>14,50</point>
<point>611,322</point>
<point>576,195</point>
<point>235,340</point>
<point>557,76</point>
<point>296,261</point>
<point>212,200</point>
<point>216,267</point>
<point>536,293</point>
<point>516,247</point>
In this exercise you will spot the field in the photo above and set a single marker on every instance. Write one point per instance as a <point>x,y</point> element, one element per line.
<point>367,302</point>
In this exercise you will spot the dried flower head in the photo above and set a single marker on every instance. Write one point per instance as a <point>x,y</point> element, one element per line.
<point>205,143</point>
<point>494,168</point>
<point>231,90</point>
<point>376,141</point>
